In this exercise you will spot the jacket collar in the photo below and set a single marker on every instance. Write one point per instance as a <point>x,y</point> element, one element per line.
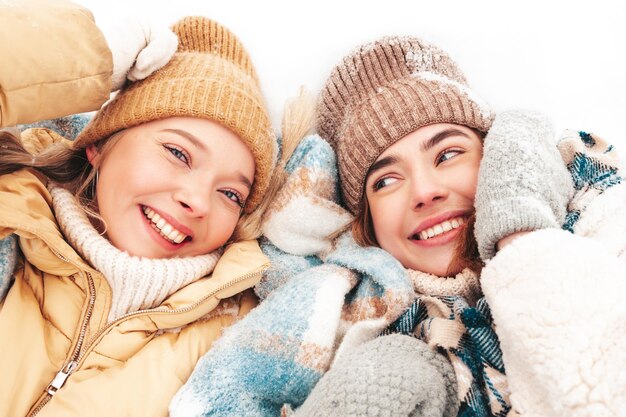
<point>25,209</point>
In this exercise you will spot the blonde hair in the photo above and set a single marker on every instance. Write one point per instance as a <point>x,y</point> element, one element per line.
<point>58,162</point>
<point>298,120</point>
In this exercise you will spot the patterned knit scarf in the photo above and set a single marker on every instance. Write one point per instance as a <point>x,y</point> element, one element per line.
<point>449,315</point>
<point>136,283</point>
<point>595,167</point>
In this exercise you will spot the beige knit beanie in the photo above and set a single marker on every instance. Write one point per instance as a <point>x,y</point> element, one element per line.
<point>382,92</point>
<point>210,76</point>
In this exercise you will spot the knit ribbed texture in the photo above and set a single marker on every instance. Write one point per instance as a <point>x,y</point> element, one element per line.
<point>382,92</point>
<point>523,184</point>
<point>393,376</point>
<point>465,284</point>
<point>210,76</point>
<point>136,283</point>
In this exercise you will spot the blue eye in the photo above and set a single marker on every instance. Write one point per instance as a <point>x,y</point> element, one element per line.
<point>234,197</point>
<point>383,182</point>
<point>179,153</point>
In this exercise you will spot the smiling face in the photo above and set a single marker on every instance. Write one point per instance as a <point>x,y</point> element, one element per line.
<point>420,192</point>
<point>172,187</point>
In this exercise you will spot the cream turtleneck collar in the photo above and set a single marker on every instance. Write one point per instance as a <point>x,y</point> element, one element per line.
<point>136,283</point>
<point>466,284</point>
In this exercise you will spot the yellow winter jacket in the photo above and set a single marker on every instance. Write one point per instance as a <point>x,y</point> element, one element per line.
<point>58,354</point>
<point>54,318</point>
<point>55,61</point>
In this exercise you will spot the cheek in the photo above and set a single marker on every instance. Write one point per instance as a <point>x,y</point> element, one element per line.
<point>221,226</point>
<point>130,174</point>
<point>386,218</point>
<point>469,180</point>
<point>472,183</point>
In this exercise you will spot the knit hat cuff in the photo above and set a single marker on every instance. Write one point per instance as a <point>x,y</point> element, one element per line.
<point>393,112</point>
<point>217,97</point>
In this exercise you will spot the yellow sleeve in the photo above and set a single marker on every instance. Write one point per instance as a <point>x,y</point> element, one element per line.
<point>55,61</point>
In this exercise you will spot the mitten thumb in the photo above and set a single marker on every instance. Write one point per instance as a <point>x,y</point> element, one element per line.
<point>139,48</point>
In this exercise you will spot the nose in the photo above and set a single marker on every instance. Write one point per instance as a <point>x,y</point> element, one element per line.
<point>427,188</point>
<point>194,197</point>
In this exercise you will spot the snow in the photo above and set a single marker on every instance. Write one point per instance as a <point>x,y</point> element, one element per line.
<point>563,58</point>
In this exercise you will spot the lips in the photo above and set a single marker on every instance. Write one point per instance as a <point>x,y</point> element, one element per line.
<point>165,229</point>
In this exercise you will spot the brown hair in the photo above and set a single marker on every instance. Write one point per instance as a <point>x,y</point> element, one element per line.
<point>363,227</point>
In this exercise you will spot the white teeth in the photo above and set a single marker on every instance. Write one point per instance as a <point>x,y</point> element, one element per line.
<point>443,227</point>
<point>166,230</point>
<point>149,213</point>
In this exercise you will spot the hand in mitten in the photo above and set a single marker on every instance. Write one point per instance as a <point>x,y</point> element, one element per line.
<point>523,183</point>
<point>139,48</point>
<point>8,258</point>
<point>392,375</point>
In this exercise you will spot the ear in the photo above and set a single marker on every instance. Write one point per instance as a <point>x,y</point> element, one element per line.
<point>92,154</point>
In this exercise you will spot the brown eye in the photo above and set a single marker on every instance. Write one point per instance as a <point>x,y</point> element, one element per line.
<point>383,182</point>
<point>447,155</point>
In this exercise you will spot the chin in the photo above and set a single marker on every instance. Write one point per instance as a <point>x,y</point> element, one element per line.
<point>452,271</point>
<point>440,269</point>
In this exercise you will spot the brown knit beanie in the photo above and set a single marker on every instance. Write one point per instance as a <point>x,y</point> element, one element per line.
<point>210,76</point>
<point>382,92</point>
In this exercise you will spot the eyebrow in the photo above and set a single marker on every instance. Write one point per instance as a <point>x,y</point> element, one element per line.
<point>191,138</point>
<point>429,144</point>
<point>244,180</point>
<point>198,144</point>
<point>432,142</point>
<point>382,163</point>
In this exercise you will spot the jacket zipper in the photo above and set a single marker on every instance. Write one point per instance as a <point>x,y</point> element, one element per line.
<point>78,356</point>
<point>70,366</point>
<point>109,326</point>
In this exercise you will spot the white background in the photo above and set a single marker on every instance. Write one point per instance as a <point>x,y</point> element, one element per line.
<point>563,58</point>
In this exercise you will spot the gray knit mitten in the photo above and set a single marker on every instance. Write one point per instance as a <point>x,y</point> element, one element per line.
<point>523,183</point>
<point>392,375</point>
<point>8,259</point>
